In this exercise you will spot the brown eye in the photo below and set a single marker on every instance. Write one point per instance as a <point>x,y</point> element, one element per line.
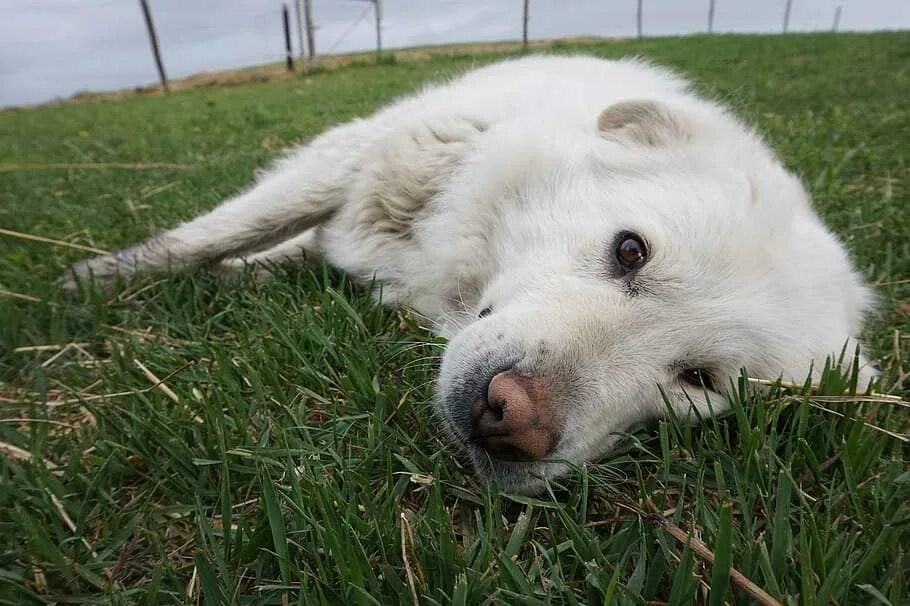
<point>697,377</point>
<point>631,252</point>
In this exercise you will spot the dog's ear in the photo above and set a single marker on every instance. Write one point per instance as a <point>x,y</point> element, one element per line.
<point>643,121</point>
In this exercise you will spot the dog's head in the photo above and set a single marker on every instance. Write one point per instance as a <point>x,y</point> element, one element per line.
<point>645,257</point>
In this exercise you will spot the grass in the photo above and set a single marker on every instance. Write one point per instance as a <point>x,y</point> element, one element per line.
<point>289,454</point>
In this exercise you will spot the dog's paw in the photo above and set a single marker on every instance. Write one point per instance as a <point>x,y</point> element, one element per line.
<point>258,272</point>
<point>100,272</point>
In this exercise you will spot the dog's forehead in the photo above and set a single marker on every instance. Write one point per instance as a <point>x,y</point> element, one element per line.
<point>686,200</point>
<point>705,215</point>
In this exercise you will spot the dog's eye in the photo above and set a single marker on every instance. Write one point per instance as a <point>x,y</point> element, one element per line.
<point>486,311</point>
<point>697,377</point>
<point>631,252</point>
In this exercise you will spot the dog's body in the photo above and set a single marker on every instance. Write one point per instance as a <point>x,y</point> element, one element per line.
<point>584,232</point>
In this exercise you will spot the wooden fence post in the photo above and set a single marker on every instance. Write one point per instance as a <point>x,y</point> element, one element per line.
<point>310,40</point>
<point>288,56</point>
<point>377,6</point>
<point>524,26</point>
<point>299,19</point>
<point>638,18</point>
<point>153,39</point>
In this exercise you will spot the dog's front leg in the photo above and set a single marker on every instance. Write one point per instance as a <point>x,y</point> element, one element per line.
<point>302,191</point>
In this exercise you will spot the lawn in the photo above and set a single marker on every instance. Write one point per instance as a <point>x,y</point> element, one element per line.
<point>196,440</point>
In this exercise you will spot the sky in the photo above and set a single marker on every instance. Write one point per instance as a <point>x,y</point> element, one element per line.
<point>56,48</point>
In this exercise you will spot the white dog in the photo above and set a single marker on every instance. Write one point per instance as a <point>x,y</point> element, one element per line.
<point>586,233</point>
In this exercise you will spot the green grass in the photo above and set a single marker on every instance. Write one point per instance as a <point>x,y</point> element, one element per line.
<point>299,459</point>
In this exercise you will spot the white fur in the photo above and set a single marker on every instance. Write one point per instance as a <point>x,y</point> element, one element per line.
<point>499,189</point>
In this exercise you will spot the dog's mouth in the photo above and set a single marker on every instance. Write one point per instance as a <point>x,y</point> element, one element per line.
<point>522,477</point>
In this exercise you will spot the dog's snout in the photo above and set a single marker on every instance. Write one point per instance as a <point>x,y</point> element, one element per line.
<point>516,421</point>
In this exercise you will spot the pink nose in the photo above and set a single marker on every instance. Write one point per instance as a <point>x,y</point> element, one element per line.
<point>517,421</point>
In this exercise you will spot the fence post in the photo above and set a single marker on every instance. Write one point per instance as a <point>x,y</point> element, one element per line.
<point>153,39</point>
<point>638,17</point>
<point>310,40</point>
<point>299,19</point>
<point>377,5</point>
<point>524,26</point>
<point>286,18</point>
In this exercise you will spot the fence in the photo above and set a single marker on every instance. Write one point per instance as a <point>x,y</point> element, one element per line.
<point>186,38</point>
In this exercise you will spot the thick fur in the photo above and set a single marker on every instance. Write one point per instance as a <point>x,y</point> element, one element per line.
<point>506,188</point>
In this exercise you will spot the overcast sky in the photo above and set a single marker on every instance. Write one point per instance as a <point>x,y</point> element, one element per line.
<point>54,48</point>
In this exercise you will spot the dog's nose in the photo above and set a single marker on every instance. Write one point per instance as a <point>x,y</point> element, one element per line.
<point>517,420</point>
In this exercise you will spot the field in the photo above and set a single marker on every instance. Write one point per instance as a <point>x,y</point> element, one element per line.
<point>191,439</point>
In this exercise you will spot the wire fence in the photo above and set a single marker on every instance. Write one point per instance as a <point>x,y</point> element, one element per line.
<point>208,36</point>
<point>337,32</point>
